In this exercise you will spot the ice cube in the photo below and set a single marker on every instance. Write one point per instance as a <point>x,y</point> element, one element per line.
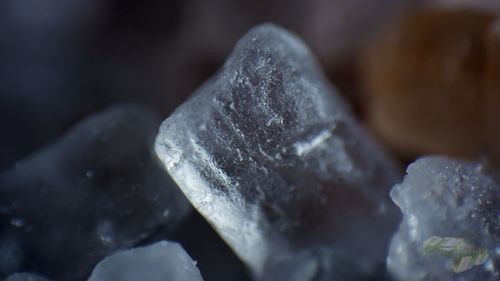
<point>98,189</point>
<point>451,224</point>
<point>269,153</point>
<point>163,261</point>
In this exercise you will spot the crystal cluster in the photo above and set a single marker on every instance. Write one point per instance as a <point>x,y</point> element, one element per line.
<point>98,189</point>
<point>448,199</point>
<point>163,261</point>
<point>271,156</point>
<point>268,152</point>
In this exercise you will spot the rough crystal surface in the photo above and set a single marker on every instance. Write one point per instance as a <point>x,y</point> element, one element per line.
<point>271,156</point>
<point>163,261</point>
<point>98,189</point>
<point>449,199</point>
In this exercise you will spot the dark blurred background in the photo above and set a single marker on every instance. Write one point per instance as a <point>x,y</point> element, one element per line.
<point>61,60</point>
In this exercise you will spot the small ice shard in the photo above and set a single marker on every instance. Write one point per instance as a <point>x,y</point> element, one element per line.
<point>451,225</point>
<point>272,158</point>
<point>25,277</point>
<point>163,261</point>
<point>98,189</point>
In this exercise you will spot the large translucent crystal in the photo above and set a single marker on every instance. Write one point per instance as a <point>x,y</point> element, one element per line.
<point>98,189</point>
<point>270,155</point>
<point>451,225</point>
<point>163,261</point>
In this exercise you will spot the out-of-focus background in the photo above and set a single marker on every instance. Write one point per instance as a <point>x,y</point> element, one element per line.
<point>61,60</point>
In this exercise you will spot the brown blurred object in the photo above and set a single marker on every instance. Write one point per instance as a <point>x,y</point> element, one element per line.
<point>433,83</point>
<point>491,134</point>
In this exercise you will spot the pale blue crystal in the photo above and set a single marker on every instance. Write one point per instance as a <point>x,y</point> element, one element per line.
<point>269,153</point>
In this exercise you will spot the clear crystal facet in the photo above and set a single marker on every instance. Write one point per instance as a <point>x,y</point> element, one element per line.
<point>270,155</point>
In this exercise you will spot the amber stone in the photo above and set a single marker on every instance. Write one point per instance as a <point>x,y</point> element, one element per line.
<point>433,83</point>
